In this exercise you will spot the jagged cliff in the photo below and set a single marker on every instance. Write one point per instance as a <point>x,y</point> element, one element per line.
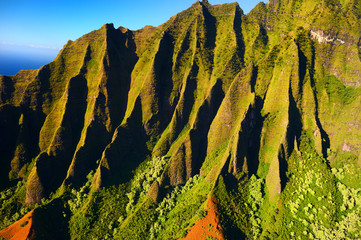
<point>213,104</point>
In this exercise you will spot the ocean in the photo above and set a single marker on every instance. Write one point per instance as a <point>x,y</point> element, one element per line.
<point>10,65</point>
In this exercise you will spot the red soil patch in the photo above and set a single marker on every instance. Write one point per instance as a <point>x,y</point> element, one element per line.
<point>208,226</point>
<point>20,229</point>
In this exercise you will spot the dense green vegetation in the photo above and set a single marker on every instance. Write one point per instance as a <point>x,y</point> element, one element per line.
<point>12,208</point>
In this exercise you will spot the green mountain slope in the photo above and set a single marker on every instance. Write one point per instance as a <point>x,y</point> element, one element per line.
<point>135,134</point>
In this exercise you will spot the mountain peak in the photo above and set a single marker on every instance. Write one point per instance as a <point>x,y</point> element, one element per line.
<point>108,26</point>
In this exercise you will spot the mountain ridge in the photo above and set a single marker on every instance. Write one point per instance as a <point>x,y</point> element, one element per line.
<point>213,104</point>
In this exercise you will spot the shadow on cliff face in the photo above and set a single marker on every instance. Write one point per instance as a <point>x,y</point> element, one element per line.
<point>10,137</point>
<point>68,134</point>
<point>9,118</point>
<point>252,126</point>
<point>127,150</point>
<point>205,116</point>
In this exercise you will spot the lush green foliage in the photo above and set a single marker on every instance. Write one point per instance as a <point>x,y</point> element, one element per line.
<point>11,207</point>
<point>180,208</point>
<point>143,180</point>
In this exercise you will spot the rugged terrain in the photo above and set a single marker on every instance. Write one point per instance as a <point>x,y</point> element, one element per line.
<point>215,123</point>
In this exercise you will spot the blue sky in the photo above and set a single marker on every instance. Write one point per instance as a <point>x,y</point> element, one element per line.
<point>39,28</point>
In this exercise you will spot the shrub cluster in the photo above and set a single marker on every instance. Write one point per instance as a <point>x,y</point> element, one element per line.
<point>143,181</point>
<point>169,202</point>
<point>11,204</point>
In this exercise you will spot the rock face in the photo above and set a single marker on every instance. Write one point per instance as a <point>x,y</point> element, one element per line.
<point>218,92</point>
